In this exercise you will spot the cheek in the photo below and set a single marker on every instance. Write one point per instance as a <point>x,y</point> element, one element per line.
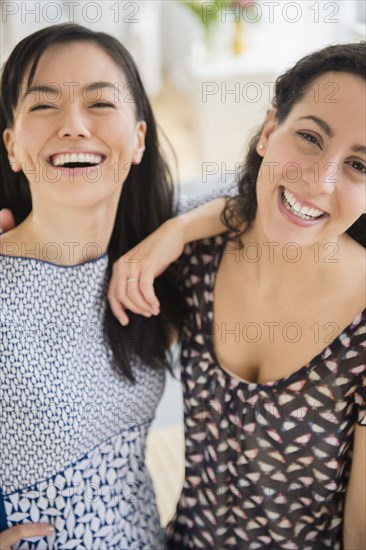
<point>30,135</point>
<point>270,175</point>
<point>353,200</point>
<point>119,133</point>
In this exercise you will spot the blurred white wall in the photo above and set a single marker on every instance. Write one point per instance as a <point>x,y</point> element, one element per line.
<point>160,33</point>
<point>231,94</point>
<point>135,23</point>
<point>284,32</point>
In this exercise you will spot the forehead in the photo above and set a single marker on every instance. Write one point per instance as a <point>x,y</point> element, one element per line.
<point>76,62</point>
<point>337,90</point>
<point>338,98</point>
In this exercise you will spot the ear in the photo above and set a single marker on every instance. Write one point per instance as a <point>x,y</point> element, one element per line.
<point>8,138</point>
<point>268,128</point>
<point>140,135</point>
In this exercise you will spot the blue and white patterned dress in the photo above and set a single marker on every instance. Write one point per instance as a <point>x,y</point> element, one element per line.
<point>72,431</point>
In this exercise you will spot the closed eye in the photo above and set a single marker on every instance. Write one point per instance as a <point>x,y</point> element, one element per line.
<point>102,104</point>
<point>310,138</point>
<point>40,107</point>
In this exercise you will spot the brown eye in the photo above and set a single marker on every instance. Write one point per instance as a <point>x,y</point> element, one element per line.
<point>310,138</point>
<point>358,166</point>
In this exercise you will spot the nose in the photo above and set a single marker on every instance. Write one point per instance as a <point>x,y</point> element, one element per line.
<point>322,177</point>
<point>329,177</point>
<point>74,125</point>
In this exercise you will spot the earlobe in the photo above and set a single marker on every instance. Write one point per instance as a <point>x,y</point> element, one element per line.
<point>268,127</point>
<point>140,142</point>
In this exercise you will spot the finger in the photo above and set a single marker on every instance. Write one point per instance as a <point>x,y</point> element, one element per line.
<point>135,295</point>
<point>148,292</point>
<point>128,290</point>
<point>128,293</point>
<point>116,307</point>
<point>129,304</point>
<point>120,294</point>
<point>6,220</point>
<point>119,301</point>
<point>24,531</point>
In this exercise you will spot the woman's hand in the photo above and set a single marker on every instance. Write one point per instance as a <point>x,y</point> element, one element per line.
<point>6,222</point>
<point>132,283</point>
<point>24,531</point>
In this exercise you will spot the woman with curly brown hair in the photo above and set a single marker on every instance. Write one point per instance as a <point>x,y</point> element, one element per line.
<point>273,346</point>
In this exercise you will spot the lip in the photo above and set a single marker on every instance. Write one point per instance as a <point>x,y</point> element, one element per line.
<point>303,201</point>
<point>294,219</point>
<point>84,171</point>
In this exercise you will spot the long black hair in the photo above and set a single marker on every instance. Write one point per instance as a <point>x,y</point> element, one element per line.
<point>146,199</point>
<point>290,87</point>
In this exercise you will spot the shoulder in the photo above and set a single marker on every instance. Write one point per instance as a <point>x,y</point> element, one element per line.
<point>16,273</point>
<point>355,254</point>
<point>349,275</point>
<point>13,242</point>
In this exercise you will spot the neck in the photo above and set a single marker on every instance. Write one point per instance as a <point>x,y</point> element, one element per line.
<point>64,236</point>
<point>289,266</point>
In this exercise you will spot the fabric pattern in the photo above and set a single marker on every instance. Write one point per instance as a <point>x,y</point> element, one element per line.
<point>266,465</point>
<point>72,431</point>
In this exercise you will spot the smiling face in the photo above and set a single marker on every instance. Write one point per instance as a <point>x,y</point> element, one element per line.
<point>75,133</point>
<point>311,186</point>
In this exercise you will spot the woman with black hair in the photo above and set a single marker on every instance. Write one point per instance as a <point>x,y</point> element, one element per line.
<point>85,180</point>
<point>273,347</point>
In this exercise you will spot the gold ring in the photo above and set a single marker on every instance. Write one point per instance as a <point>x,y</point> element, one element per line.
<point>132,280</point>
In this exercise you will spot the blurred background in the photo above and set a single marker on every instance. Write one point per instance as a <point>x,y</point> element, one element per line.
<point>208,66</point>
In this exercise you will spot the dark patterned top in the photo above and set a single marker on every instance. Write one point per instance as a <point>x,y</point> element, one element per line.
<point>267,465</point>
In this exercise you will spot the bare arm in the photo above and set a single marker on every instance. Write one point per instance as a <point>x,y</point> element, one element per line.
<point>24,531</point>
<point>354,530</point>
<point>154,254</point>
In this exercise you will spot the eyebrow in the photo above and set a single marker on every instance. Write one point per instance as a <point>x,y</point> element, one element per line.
<point>40,88</point>
<point>100,85</point>
<point>327,129</point>
<point>321,123</point>
<point>359,149</point>
<point>48,89</point>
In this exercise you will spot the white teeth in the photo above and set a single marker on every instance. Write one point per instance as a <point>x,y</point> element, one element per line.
<point>65,158</point>
<point>302,212</point>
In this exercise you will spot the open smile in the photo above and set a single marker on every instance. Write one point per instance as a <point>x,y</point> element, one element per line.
<point>299,211</point>
<point>74,160</point>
